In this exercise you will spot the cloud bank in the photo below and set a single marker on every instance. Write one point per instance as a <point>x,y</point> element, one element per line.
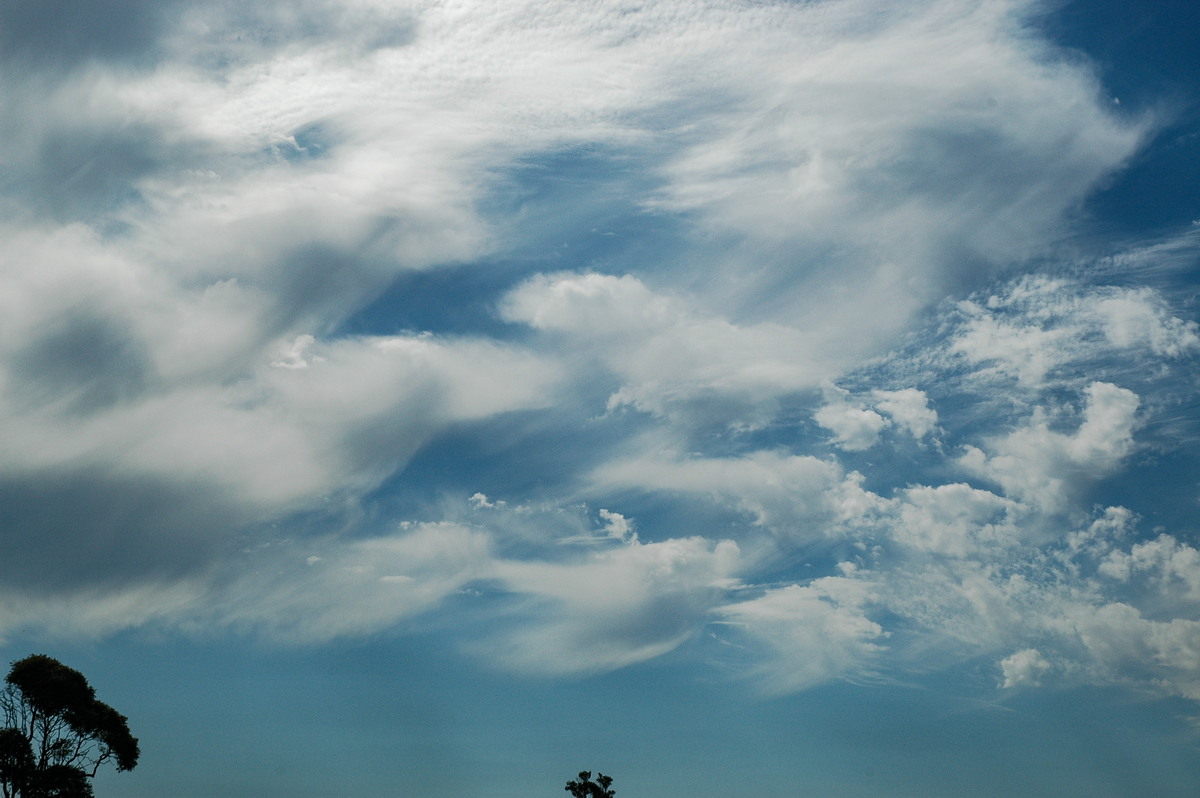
<point>787,261</point>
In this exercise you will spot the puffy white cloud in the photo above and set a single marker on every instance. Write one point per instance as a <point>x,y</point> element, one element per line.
<point>1124,646</point>
<point>618,526</point>
<point>854,428</point>
<point>1091,615</point>
<point>591,304</point>
<point>857,426</point>
<point>1028,352</point>
<point>1023,668</point>
<point>1044,467</point>
<point>1138,317</point>
<point>1036,328</point>
<point>954,520</point>
<point>909,409</point>
<point>1106,435</point>
<point>1173,568</point>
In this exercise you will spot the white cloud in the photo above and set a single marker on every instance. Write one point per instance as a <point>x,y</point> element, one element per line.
<point>671,360</point>
<point>854,428</point>
<point>481,500</point>
<point>173,325</point>
<point>1028,352</point>
<point>899,146</point>
<point>1098,610</point>
<point>295,355</point>
<point>1036,328</point>
<point>814,633</point>
<point>1138,317</point>
<point>857,426</point>
<point>1044,467</point>
<point>1173,568</point>
<point>591,304</point>
<point>1125,646</point>
<point>954,520</point>
<point>283,438</point>
<point>612,609</point>
<point>909,409</point>
<point>1026,667</point>
<point>92,614</point>
<point>800,498</point>
<point>1106,435</point>
<point>352,587</point>
<point>618,526</point>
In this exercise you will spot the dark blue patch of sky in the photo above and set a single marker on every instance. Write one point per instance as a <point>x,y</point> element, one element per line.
<point>1148,60</point>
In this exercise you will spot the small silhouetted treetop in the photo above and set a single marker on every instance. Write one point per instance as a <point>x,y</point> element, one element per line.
<point>584,787</point>
<point>56,733</point>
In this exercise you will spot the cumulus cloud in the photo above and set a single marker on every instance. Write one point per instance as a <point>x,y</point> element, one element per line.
<point>854,428</point>
<point>1024,668</point>
<point>1037,328</point>
<point>1036,464</point>
<point>909,409</point>
<point>857,422</point>
<point>1091,617</point>
<point>1126,647</point>
<point>618,526</point>
<point>1170,567</point>
<point>955,520</point>
<point>1028,352</point>
<point>1138,317</point>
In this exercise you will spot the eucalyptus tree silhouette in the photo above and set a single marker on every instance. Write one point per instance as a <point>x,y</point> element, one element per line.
<point>584,787</point>
<point>56,734</point>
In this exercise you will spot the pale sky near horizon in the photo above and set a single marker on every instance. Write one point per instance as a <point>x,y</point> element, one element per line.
<point>743,398</point>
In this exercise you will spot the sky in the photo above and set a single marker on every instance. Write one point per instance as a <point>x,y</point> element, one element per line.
<point>742,398</point>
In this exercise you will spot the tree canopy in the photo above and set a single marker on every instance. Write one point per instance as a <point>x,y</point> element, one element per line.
<point>584,787</point>
<point>56,733</point>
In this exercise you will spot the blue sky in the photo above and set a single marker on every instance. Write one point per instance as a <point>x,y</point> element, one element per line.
<point>744,399</point>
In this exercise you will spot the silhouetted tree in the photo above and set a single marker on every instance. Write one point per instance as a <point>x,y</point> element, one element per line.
<point>586,788</point>
<point>56,733</point>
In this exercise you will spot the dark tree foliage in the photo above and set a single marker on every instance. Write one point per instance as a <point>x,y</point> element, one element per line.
<point>584,787</point>
<point>56,733</point>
